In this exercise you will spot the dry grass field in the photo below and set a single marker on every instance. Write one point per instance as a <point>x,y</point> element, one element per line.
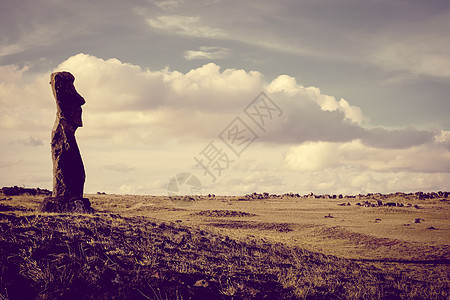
<point>155,247</point>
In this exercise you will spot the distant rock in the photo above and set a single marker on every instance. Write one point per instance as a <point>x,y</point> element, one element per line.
<point>223,213</point>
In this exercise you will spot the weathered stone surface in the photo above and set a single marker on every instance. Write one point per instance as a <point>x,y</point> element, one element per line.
<point>68,168</point>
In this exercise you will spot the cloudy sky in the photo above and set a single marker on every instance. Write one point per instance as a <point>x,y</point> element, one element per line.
<point>323,96</point>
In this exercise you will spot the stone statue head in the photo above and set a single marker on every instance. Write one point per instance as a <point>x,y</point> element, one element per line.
<point>68,100</point>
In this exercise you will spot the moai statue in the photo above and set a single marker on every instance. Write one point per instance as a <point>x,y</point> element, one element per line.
<point>68,168</point>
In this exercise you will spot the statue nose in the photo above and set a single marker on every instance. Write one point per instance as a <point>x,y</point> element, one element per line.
<point>80,100</point>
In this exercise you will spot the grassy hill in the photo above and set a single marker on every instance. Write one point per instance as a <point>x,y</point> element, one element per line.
<point>109,256</point>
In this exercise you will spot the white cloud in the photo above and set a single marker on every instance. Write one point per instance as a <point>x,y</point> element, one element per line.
<point>396,138</point>
<point>312,156</point>
<point>127,103</point>
<point>127,100</point>
<point>11,74</point>
<point>208,53</point>
<point>116,86</point>
<point>422,50</point>
<point>10,164</point>
<point>119,167</point>
<point>27,25</point>
<point>168,4</point>
<point>314,116</point>
<point>159,120</point>
<point>172,5</point>
<point>37,36</point>
<point>289,86</point>
<point>12,49</point>
<point>417,55</point>
<point>24,105</point>
<point>185,25</point>
<point>30,141</point>
<point>315,156</point>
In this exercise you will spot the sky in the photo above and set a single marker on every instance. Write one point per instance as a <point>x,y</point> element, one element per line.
<point>232,97</point>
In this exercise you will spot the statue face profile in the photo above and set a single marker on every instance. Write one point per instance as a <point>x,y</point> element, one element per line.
<point>68,100</point>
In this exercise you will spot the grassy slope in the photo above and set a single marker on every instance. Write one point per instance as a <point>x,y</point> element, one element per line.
<point>106,256</point>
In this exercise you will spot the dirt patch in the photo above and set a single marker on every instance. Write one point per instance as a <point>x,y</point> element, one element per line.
<point>356,238</point>
<point>280,227</point>
<point>222,213</point>
<point>387,249</point>
<point>157,208</point>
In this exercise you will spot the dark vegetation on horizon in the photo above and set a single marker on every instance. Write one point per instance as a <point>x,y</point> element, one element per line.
<point>16,190</point>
